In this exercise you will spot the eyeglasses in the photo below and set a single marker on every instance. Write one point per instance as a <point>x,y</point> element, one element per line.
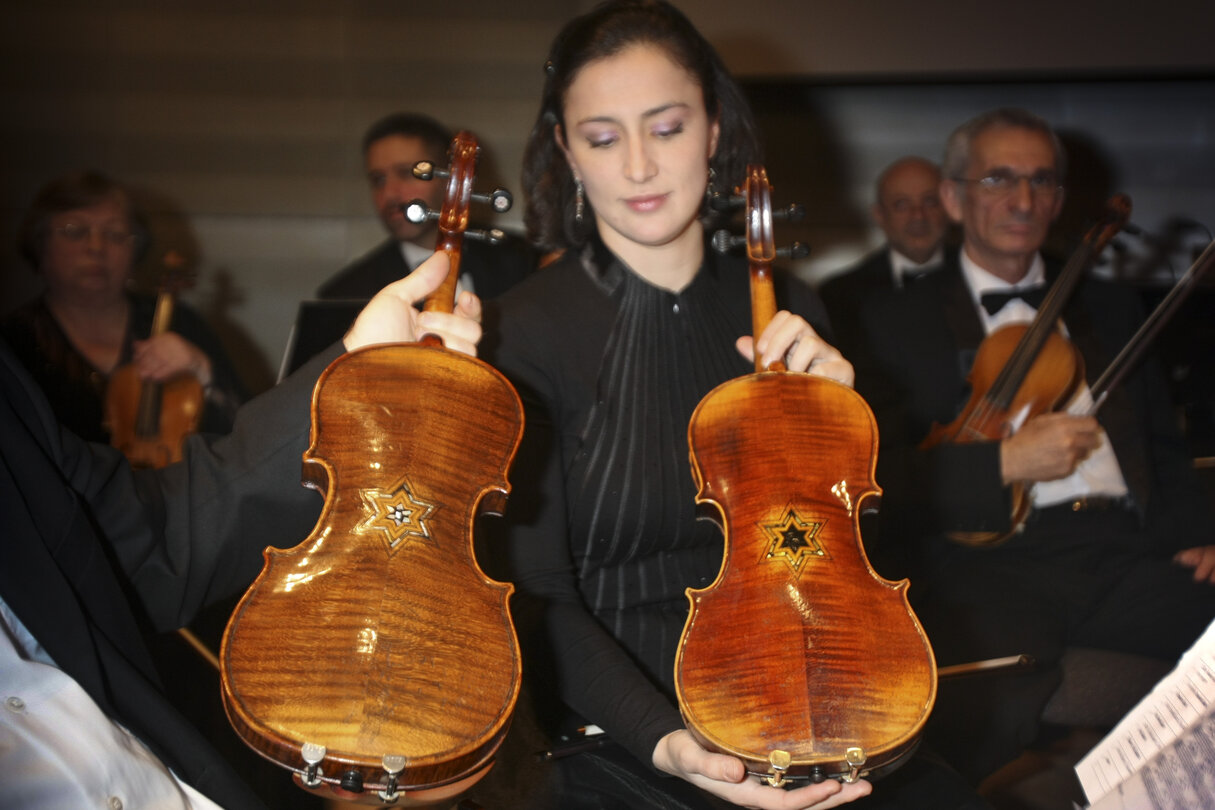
<point>76,232</point>
<point>1001,183</point>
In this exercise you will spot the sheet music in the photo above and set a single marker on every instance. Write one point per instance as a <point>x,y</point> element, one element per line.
<point>1162,754</point>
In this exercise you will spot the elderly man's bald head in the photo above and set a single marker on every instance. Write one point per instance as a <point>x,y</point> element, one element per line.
<point>908,207</point>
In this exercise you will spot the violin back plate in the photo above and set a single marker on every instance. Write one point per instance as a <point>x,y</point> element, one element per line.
<point>798,646</point>
<point>379,634</point>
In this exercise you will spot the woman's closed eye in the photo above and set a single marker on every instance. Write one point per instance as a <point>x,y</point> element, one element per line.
<point>668,130</point>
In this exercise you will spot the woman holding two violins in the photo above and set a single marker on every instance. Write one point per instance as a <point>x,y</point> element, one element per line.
<point>82,235</point>
<point>611,347</point>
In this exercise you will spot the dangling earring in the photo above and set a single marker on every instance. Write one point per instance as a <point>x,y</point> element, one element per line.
<point>710,191</point>
<point>579,201</point>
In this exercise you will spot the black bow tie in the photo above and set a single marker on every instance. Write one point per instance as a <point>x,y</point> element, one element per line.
<point>993,302</point>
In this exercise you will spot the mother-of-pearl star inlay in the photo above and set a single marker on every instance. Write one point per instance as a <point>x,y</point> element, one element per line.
<point>397,514</point>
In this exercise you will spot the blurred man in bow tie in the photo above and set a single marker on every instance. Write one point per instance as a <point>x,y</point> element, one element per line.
<point>1115,554</point>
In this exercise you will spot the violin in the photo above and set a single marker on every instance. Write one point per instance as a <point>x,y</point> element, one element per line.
<point>798,659</point>
<point>1021,371</point>
<point>148,421</point>
<point>376,655</point>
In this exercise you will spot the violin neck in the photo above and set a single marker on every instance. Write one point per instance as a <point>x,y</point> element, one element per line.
<point>443,299</point>
<point>763,302</point>
<point>164,313</point>
<point>147,420</point>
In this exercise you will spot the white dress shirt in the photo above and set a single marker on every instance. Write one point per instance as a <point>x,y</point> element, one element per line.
<point>901,267</point>
<point>59,750</point>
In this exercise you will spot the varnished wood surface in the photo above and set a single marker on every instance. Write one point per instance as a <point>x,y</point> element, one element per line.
<point>367,650</point>
<point>176,410</point>
<point>809,654</point>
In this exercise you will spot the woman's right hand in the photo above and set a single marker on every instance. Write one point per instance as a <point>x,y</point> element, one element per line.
<point>725,776</point>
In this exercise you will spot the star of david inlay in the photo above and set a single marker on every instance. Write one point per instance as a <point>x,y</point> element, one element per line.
<point>397,515</point>
<point>794,539</point>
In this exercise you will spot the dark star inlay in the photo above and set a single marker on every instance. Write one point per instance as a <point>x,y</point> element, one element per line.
<point>794,539</point>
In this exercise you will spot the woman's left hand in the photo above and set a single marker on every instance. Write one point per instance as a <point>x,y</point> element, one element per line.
<point>167,355</point>
<point>680,755</point>
<point>789,338</point>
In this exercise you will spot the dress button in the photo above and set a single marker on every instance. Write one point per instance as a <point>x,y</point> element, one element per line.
<point>114,803</point>
<point>675,308</point>
<point>14,704</point>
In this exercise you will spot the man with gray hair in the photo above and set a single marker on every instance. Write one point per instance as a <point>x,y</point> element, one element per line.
<point>1116,553</point>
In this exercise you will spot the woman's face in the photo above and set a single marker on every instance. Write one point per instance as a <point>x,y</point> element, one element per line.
<point>636,133</point>
<point>89,251</point>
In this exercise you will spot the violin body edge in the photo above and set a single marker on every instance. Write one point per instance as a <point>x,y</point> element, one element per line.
<point>274,715</point>
<point>823,678</point>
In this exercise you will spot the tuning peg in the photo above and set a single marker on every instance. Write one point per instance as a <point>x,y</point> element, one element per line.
<point>417,212</point>
<point>797,250</point>
<point>426,170</point>
<point>725,203</point>
<point>724,241</point>
<point>493,236</point>
<point>790,213</point>
<point>499,199</point>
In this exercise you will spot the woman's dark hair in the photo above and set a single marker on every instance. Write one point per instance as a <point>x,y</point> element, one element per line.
<point>605,31</point>
<point>70,192</point>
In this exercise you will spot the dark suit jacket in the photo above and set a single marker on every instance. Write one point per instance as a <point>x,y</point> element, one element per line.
<point>919,349</point>
<point>494,269</point>
<point>93,554</point>
<point>844,294</point>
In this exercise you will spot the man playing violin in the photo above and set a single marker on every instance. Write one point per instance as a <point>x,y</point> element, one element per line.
<point>1115,554</point>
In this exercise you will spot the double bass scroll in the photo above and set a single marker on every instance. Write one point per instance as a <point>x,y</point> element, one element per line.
<point>376,655</point>
<point>798,659</point>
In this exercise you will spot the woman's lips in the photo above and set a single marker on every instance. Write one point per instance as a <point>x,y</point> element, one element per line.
<point>647,203</point>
